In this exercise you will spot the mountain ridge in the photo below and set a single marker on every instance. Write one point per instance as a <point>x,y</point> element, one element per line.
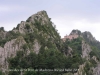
<point>35,43</point>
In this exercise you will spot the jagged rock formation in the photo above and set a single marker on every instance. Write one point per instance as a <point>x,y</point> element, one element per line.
<point>69,52</point>
<point>96,70</point>
<point>86,50</point>
<point>81,70</point>
<point>35,34</point>
<point>40,17</point>
<point>36,47</point>
<point>38,42</point>
<point>9,50</point>
<point>88,35</point>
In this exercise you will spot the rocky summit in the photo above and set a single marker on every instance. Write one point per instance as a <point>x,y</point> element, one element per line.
<point>35,47</point>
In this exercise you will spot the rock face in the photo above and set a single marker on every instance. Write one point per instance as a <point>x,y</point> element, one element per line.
<point>69,52</point>
<point>42,15</point>
<point>90,39</point>
<point>87,35</point>
<point>9,50</point>
<point>11,47</point>
<point>96,70</point>
<point>28,25</point>
<point>37,47</point>
<point>85,50</point>
<point>81,70</point>
<point>1,57</point>
<point>22,27</point>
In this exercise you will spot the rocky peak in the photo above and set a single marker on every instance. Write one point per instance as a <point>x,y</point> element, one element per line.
<point>88,35</point>
<point>9,50</point>
<point>90,39</point>
<point>39,16</point>
<point>86,49</point>
<point>75,32</point>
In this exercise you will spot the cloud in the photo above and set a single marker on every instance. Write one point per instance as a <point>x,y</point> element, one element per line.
<point>11,8</point>
<point>4,9</point>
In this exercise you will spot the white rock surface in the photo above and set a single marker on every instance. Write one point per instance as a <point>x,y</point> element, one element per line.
<point>9,50</point>
<point>37,46</point>
<point>85,50</point>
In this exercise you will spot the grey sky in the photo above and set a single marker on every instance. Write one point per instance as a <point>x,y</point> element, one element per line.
<point>66,14</point>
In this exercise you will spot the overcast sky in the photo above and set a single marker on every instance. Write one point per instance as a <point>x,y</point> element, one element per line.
<point>67,15</point>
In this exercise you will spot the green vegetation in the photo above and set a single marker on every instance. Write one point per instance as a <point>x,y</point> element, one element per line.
<point>95,52</point>
<point>50,59</point>
<point>10,35</point>
<point>87,68</point>
<point>1,73</point>
<point>27,26</point>
<point>75,44</point>
<point>49,56</point>
<point>2,42</point>
<point>75,60</point>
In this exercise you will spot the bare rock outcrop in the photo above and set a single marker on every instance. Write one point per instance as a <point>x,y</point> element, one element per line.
<point>9,50</point>
<point>96,70</point>
<point>81,70</point>
<point>86,49</point>
<point>69,52</point>
<point>37,46</point>
<point>39,16</point>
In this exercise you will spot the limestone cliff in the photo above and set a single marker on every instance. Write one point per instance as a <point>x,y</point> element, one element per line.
<point>9,50</point>
<point>86,49</point>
